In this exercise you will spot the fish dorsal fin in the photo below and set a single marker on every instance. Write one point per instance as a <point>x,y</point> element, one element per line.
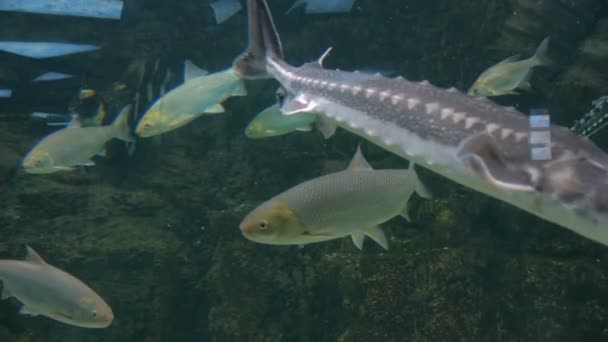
<point>33,257</point>
<point>323,56</point>
<point>358,161</point>
<point>509,59</point>
<point>192,71</point>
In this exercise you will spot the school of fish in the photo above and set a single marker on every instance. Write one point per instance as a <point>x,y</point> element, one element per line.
<point>463,137</point>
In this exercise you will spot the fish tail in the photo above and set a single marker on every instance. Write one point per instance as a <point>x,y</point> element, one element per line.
<point>541,57</point>
<point>121,127</point>
<point>419,187</point>
<point>264,42</point>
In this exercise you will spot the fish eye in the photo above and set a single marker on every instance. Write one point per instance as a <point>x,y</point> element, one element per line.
<point>263,225</point>
<point>94,313</point>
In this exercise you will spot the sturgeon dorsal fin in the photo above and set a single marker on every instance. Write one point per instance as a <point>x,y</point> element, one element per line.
<point>324,55</point>
<point>32,256</point>
<point>358,161</point>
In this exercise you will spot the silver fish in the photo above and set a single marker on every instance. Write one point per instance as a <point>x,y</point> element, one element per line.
<point>350,202</point>
<point>271,123</point>
<point>48,291</point>
<point>510,74</point>
<point>67,148</point>
<point>200,94</point>
<point>469,140</point>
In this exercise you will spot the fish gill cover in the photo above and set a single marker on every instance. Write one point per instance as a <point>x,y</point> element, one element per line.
<point>153,226</point>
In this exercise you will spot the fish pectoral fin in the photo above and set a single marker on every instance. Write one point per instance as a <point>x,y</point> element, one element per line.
<point>62,315</point>
<point>6,293</point>
<point>481,155</point>
<point>215,109</point>
<point>319,234</point>
<point>87,163</point>
<point>306,128</point>
<point>184,120</point>
<point>29,310</point>
<point>419,187</point>
<point>325,126</point>
<point>64,168</point>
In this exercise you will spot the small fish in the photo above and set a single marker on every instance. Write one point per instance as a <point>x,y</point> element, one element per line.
<point>52,76</point>
<point>67,148</point>
<point>271,122</point>
<point>510,74</point>
<point>224,9</point>
<point>350,202</point>
<point>48,291</point>
<point>323,6</point>
<point>6,93</point>
<point>197,96</point>
<point>105,9</point>
<point>44,49</point>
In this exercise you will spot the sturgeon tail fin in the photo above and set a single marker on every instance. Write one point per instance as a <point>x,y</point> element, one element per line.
<point>264,42</point>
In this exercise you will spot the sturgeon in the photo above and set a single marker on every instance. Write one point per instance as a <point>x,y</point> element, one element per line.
<point>470,140</point>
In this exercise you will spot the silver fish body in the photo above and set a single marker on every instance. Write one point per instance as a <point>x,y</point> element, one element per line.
<point>46,290</point>
<point>271,122</point>
<point>469,140</point>
<point>352,202</point>
<point>69,147</point>
<point>197,96</point>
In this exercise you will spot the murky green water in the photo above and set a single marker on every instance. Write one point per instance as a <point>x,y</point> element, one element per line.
<point>153,226</point>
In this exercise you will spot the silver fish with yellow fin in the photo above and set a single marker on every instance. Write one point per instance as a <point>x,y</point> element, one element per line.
<point>350,202</point>
<point>48,291</point>
<point>72,146</point>
<point>271,123</point>
<point>200,94</point>
<point>510,74</point>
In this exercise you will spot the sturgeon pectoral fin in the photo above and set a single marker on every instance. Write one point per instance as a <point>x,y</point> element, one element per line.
<point>298,104</point>
<point>481,155</point>
<point>87,163</point>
